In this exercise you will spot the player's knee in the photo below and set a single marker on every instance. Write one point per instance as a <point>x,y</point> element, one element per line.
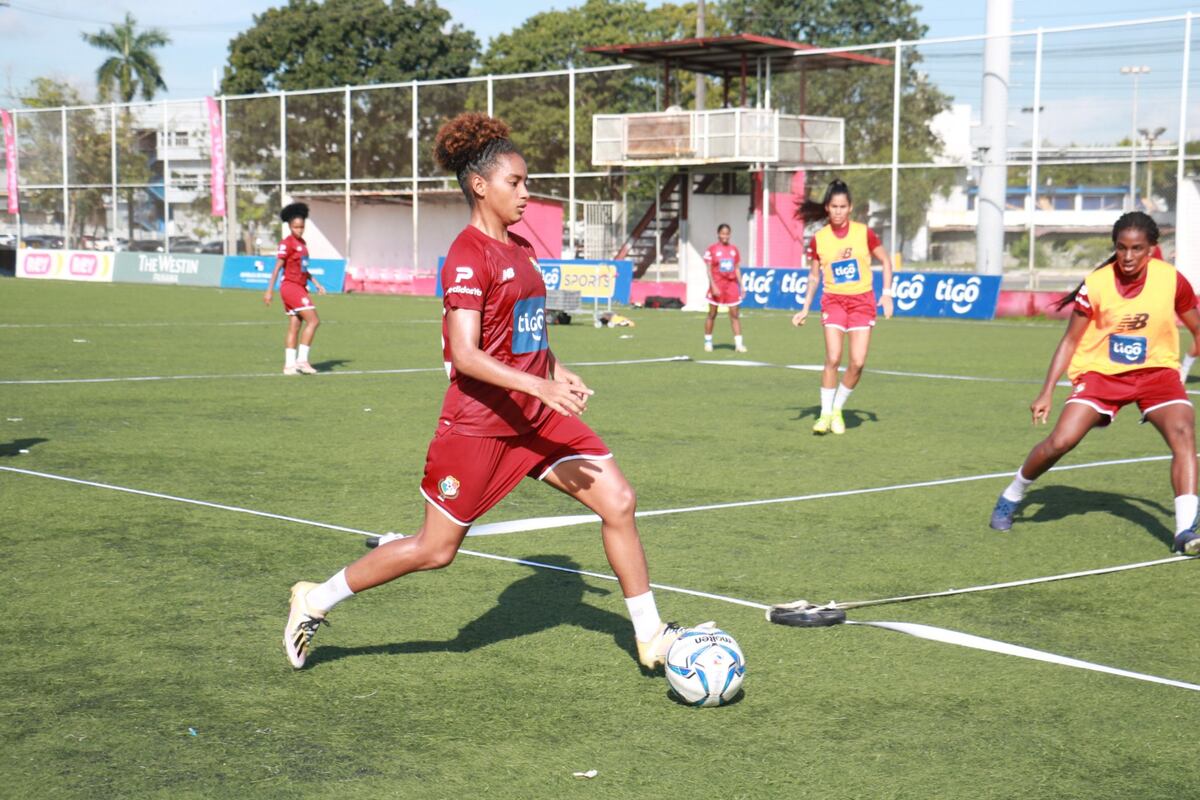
<point>1060,444</point>
<point>621,503</point>
<point>856,365</point>
<point>438,557</point>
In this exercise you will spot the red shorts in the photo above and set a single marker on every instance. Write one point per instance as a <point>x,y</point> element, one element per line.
<point>728,294</point>
<point>295,298</point>
<point>848,312</point>
<point>1150,388</point>
<point>467,475</point>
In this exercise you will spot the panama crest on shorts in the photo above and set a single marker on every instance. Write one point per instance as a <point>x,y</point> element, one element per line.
<point>448,488</point>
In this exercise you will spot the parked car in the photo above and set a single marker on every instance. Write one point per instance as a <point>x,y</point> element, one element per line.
<point>217,248</point>
<point>146,246</point>
<point>182,244</point>
<point>42,241</point>
<point>8,241</point>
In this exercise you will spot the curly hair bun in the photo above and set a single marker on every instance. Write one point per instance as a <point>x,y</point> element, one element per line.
<point>293,210</point>
<point>463,138</point>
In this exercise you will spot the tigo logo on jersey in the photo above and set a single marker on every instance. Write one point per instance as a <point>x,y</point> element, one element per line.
<point>845,271</point>
<point>1127,349</point>
<point>529,326</point>
<point>448,488</point>
<point>726,265</point>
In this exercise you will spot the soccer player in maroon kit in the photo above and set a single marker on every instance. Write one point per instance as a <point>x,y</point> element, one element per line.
<point>292,258</point>
<point>511,410</point>
<point>724,286</point>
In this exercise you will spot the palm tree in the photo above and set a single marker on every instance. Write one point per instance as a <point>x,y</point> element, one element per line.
<point>133,65</point>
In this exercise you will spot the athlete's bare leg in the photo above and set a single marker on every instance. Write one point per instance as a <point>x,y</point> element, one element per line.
<point>833,357</point>
<point>433,547</point>
<point>1177,424</point>
<point>293,332</point>
<point>710,319</point>
<point>1073,424</point>
<point>311,323</point>
<point>734,321</point>
<point>860,342</point>
<point>602,487</point>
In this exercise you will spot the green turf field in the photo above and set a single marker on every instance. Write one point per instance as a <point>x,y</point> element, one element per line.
<point>142,649</point>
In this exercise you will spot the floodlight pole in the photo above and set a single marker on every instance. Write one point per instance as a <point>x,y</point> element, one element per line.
<point>1137,73</point>
<point>991,139</point>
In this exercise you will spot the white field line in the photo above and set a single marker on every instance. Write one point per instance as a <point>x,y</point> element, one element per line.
<point>273,323</point>
<point>152,378</point>
<point>543,523</point>
<point>913,629</point>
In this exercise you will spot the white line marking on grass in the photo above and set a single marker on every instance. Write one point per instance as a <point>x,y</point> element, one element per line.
<point>913,629</point>
<point>947,636</point>
<point>542,523</point>
<point>152,378</point>
<point>274,322</point>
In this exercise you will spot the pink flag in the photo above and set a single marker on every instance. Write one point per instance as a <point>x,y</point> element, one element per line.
<point>217,157</point>
<point>10,161</point>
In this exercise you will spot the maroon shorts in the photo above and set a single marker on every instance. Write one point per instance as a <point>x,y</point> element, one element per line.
<point>467,475</point>
<point>848,312</point>
<point>728,294</point>
<point>295,298</point>
<point>1150,388</point>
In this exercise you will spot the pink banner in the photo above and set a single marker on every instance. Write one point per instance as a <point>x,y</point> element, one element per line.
<point>10,161</point>
<point>218,157</point>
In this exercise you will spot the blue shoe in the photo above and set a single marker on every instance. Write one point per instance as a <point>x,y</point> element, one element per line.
<point>1002,514</point>
<point>1187,542</point>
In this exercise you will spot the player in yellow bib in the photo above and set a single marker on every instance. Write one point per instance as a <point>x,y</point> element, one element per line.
<point>1122,346</point>
<point>841,254</point>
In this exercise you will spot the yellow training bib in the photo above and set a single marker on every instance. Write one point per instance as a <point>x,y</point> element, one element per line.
<point>845,261</point>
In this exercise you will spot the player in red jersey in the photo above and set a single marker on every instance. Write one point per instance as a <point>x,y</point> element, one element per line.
<point>1122,346</point>
<point>724,286</point>
<point>841,254</point>
<point>511,410</point>
<point>292,259</point>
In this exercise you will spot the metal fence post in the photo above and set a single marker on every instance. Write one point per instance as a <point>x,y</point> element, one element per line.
<point>1033,166</point>
<point>282,149</point>
<point>1183,108</point>
<point>895,149</point>
<point>346,148</point>
<point>228,181</point>
<point>66,205</point>
<point>416,133</point>
<point>112,155</point>
<point>166,159</point>
<point>571,156</point>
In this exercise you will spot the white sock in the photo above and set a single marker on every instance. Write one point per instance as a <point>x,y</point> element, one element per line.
<point>737,340</point>
<point>1016,490</point>
<point>289,356</point>
<point>827,401</point>
<point>708,338</point>
<point>644,614</point>
<point>303,355</point>
<point>1185,512</point>
<point>842,394</point>
<point>329,593</point>
<point>1185,368</point>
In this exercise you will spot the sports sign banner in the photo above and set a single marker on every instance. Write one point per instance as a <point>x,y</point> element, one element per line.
<point>216,157</point>
<point>253,272</point>
<point>10,160</point>
<point>182,269</point>
<point>917,294</point>
<point>594,280</point>
<point>65,265</point>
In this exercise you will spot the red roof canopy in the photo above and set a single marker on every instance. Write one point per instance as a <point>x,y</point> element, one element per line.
<point>723,55</point>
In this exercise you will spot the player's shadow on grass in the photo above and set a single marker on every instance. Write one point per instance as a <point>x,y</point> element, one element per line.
<point>1052,503</point>
<point>546,599</point>
<point>852,416</point>
<point>329,364</point>
<point>14,448</point>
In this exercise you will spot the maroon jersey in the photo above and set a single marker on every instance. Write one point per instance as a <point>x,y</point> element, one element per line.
<point>503,283</point>
<point>294,253</point>
<point>723,261</point>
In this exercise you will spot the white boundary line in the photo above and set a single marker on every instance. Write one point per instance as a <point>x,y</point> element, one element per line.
<point>88,325</point>
<point>913,629</point>
<point>151,378</point>
<point>543,523</point>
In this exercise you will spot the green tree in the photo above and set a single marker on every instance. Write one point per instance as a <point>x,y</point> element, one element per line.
<point>861,96</point>
<point>132,66</point>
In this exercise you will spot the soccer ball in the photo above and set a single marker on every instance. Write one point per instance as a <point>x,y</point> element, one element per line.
<point>705,667</point>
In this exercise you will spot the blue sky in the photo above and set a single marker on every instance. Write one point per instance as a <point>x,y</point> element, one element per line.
<point>1081,97</point>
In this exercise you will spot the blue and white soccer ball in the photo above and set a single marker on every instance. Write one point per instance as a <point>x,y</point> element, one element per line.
<point>705,667</point>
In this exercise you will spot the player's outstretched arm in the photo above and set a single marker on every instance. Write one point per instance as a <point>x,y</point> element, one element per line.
<point>881,253</point>
<point>271,283</point>
<point>1040,407</point>
<point>814,275</point>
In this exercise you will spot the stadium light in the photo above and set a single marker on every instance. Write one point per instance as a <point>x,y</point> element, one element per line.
<point>1136,72</point>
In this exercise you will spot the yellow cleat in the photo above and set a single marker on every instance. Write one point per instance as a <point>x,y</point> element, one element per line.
<point>302,623</point>
<point>822,425</point>
<point>653,653</point>
<point>837,425</point>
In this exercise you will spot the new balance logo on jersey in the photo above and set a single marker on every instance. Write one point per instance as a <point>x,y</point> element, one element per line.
<point>1127,349</point>
<point>529,326</point>
<point>1133,322</point>
<point>508,274</point>
<point>845,271</point>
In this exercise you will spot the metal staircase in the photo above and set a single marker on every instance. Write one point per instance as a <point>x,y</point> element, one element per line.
<point>655,237</point>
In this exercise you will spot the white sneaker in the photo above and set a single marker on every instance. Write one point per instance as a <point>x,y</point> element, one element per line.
<point>291,370</point>
<point>302,623</point>
<point>305,368</point>
<point>708,347</point>
<point>653,653</point>
<point>741,348</point>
